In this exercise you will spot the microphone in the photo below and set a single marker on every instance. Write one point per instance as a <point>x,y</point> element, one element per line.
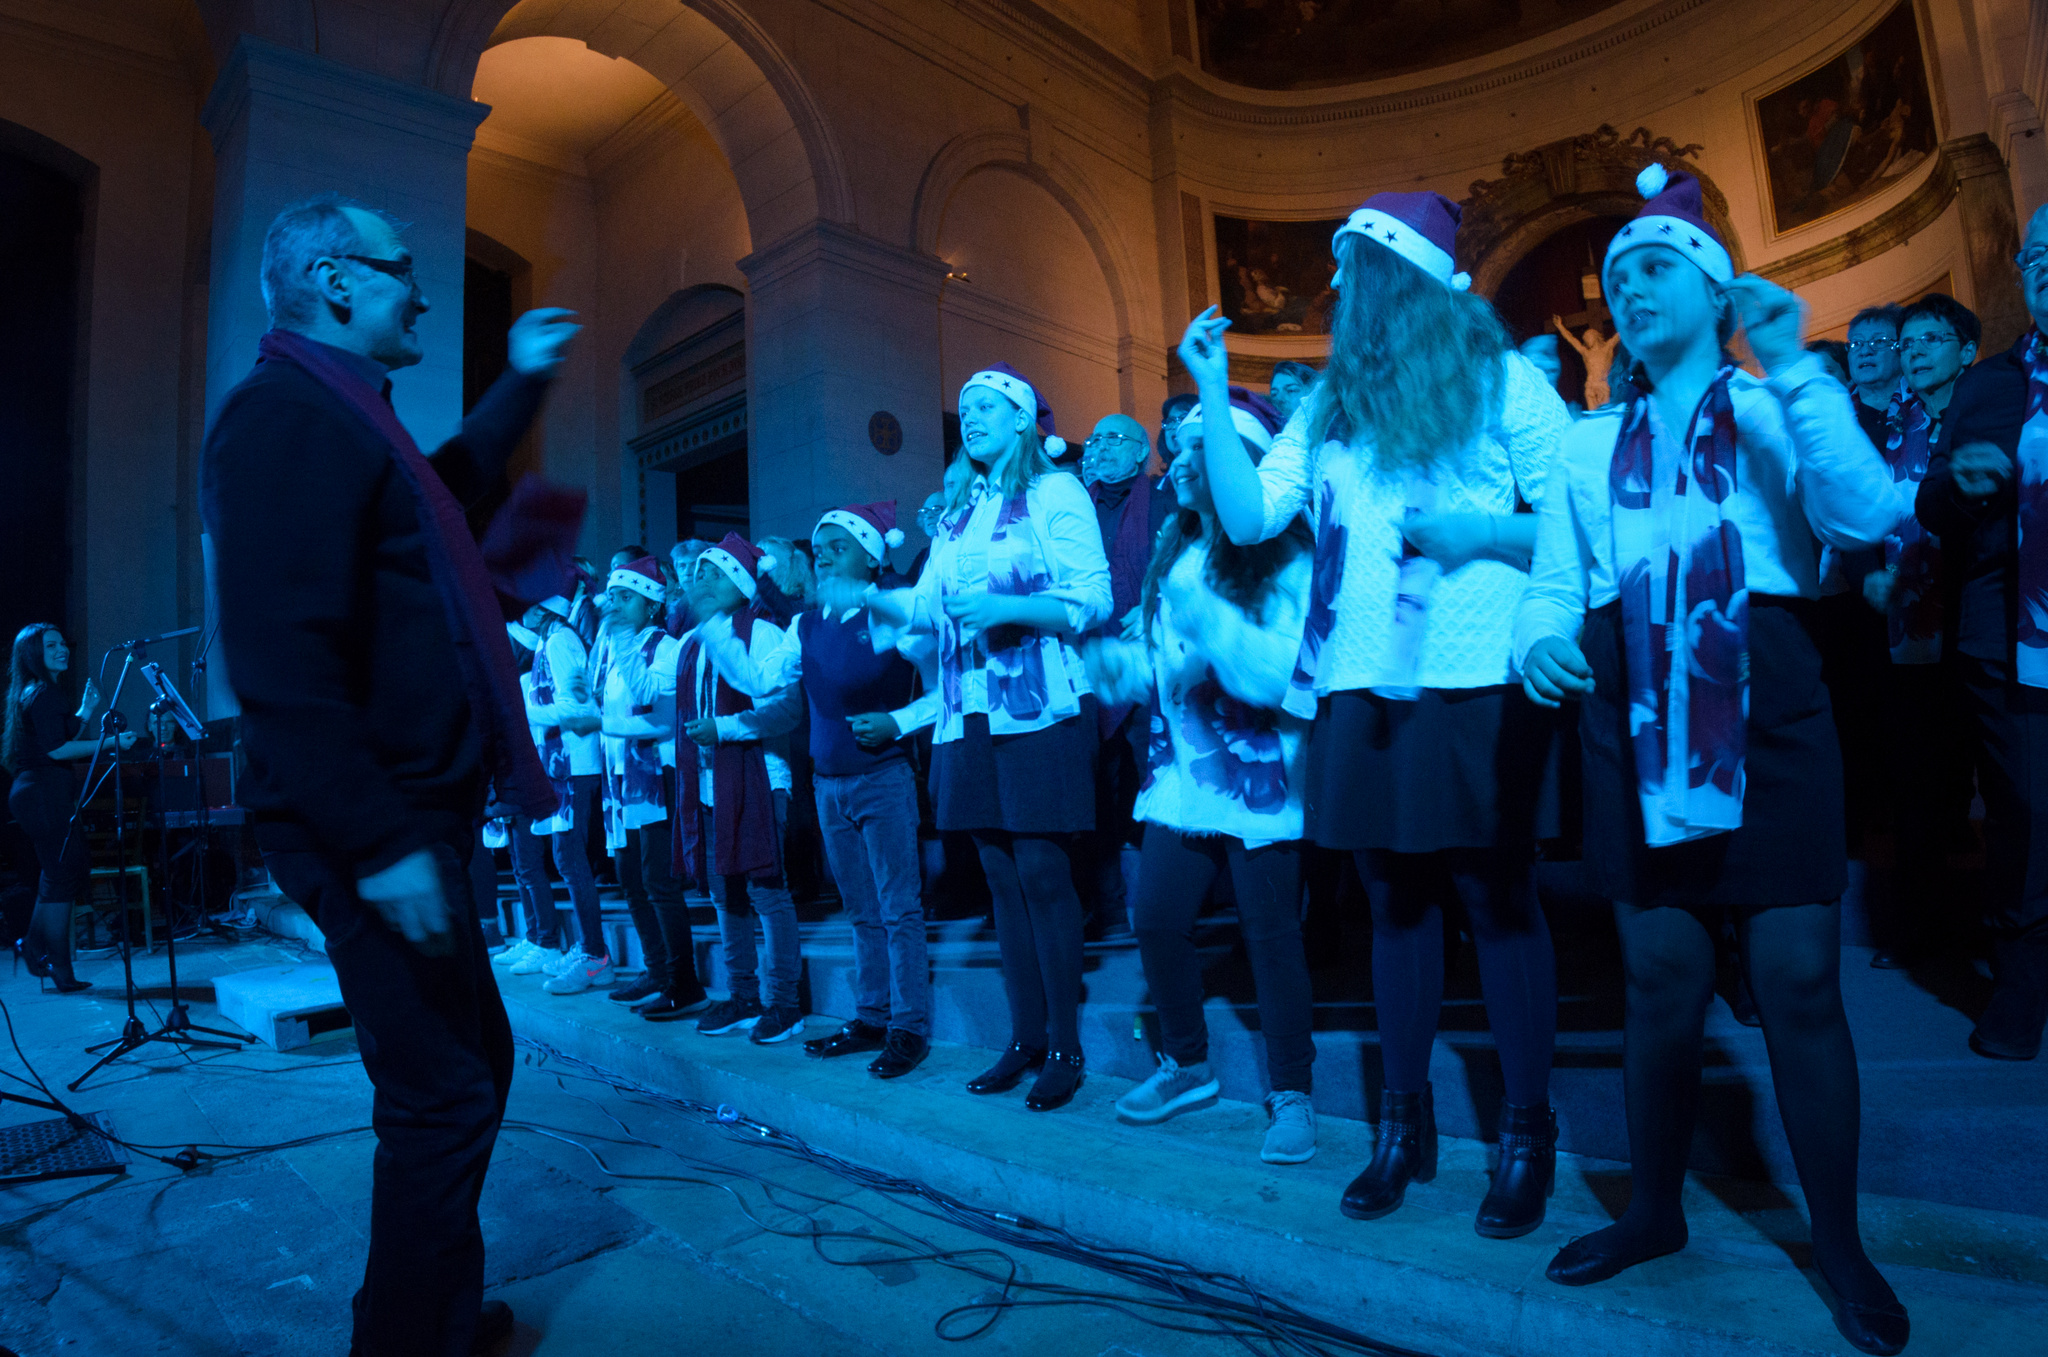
<point>152,640</point>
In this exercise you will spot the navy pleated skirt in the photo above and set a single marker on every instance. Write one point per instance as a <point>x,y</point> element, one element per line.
<point>1039,783</point>
<point>1455,768</point>
<point>1791,848</point>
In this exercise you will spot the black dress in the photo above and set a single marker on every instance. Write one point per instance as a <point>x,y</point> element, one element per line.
<point>1790,849</point>
<point>1042,782</point>
<point>41,797</point>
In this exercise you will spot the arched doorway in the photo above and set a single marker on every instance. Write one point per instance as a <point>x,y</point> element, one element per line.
<point>686,378</point>
<point>1559,280</point>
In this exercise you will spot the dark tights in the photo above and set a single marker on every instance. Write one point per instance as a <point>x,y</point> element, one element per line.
<point>1793,953</point>
<point>1517,969</point>
<point>1038,929</point>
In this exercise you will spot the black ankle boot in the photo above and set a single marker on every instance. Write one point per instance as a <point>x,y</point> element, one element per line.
<point>1009,1069</point>
<point>1526,1174</point>
<point>1406,1153</point>
<point>1056,1084</point>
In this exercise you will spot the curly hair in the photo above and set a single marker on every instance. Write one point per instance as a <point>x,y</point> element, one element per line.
<point>1415,367</point>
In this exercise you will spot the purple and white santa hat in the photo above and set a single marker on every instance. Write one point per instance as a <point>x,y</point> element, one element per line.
<point>872,525</point>
<point>741,562</point>
<point>642,577</point>
<point>1012,386</point>
<point>1253,416</point>
<point>1420,227</point>
<point>1674,216</point>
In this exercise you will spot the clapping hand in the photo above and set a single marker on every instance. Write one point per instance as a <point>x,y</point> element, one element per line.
<point>873,730</point>
<point>1978,469</point>
<point>89,701</point>
<point>978,610</point>
<point>1556,671</point>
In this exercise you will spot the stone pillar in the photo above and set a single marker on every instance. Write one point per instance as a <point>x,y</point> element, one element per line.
<point>1990,238</point>
<point>841,328</point>
<point>288,124</point>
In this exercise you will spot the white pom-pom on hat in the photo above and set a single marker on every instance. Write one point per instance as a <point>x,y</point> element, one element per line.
<point>1054,446</point>
<point>894,537</point>
<point>1461,282</point>
<point>1652,180</point>
<point>768,563</point>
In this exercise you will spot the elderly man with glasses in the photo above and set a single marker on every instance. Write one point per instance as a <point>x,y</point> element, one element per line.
<point>1984,495</point>
<point>365,631</point>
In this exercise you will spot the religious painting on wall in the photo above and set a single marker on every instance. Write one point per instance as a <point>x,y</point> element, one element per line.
<point>1858,124</point>
<point>1307,44</point>
<point>1275,275</point>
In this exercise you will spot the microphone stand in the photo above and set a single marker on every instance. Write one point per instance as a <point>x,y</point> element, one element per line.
<point>133,1034</point>
<point>179,1021</point>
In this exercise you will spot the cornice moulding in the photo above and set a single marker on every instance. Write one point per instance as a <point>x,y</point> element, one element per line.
<point>286,76</point>
<point>101,48</point>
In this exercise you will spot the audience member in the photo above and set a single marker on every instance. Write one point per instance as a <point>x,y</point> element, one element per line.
<point>1291,382</point>
<point>1834,357</point>
<point>1873,348</point>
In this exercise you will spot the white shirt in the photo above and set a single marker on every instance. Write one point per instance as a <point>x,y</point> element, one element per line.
<point>627,685</point>
<point>782,669</point>
<point>569,669</point>
<point>1804,470</point>
<point>1471,609</point>
<point>769,722</point>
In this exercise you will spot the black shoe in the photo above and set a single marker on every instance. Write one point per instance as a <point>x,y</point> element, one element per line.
<point>777,1024</point>
<point>1607,1253</point>
<point>493,1328</point>
<point>1406,1153</point>
<point>670,1007</point>
<point>1008,1071</point>
<point>1882,1328</point>
<point>2010,1028</point>
<point>855,1036</point>
<point>902,1053</point>
<point>1056,1083</point>
<point>1526,1175</point>
<point>730,1015</point>
<point>646,987</point>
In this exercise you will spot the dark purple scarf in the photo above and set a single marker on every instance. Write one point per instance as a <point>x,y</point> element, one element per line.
<point>743,804</point>
<point>1129,552</point>
<point>531,549</point>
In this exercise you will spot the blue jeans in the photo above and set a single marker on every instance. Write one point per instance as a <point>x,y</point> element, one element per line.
<point>529,866</point>
<point>869,823</point>
<point>739,899</point>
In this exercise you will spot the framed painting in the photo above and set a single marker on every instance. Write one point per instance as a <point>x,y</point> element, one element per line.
<point>1274,276</point>
<point>1852,127</point>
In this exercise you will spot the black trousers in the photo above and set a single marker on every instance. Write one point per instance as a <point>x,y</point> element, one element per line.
<point>1926,747</point>
<point>1174,876</point>
<point>41,801</point>
<point>654,897</point>
<point>2011,723</point>
<point>438,1049</point>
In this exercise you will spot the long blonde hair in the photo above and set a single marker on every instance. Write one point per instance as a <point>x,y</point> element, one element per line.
<point>1415,367</point>
<point>1026,465</point>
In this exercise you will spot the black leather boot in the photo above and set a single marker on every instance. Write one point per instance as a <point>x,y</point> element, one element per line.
<point>1008,1071</point>
<point>1526,1174</point>
<point>1406,1153</point>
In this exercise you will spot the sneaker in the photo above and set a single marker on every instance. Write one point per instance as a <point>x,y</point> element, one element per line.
<point>558,962</point>
<point>1172,1089</point>
<point>646,987</point>
<point>514,954</point>
<point>670,1007</point>
<point>778,1024</point>
<point>1291,1139</point>
<point>730,1015</point>
<point>536,961</point>
<point>588,972</point>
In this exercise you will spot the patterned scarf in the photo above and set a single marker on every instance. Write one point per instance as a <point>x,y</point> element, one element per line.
<point>1332,539</point>
<point>532,566</point>
<point>2030,662</point>
<point>1412,587</point>
<point>1914,554</point>
<point>554,755</point>
<point>632,790</point>
<point>743,839</point>
<point>1685,620</point>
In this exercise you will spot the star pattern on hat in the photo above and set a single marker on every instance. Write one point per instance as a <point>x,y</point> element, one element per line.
<point>1665,229</point>
<point>1391,234</point>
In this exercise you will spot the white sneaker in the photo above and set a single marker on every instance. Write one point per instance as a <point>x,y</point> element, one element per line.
<point>583,973</point>
<point>535,961</point>
<point>1291,1136</point>
<point>1172,1089</point>
<point>514,954</point>
<point>557,962</point>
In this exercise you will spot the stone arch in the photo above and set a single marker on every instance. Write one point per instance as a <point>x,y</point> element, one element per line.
<point>682,314</point>
<point>717,59</point>
<point>1564,182</point>
<point>1042,163</point>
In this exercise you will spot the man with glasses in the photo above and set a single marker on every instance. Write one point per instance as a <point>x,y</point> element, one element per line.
<point>365,633</point>
<point>1982,495</point>
<point>1874,365</point>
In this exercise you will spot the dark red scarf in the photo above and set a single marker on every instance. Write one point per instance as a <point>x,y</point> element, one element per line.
<point>1129,552</point>
<point>531,554</point>
<point>743,804</point>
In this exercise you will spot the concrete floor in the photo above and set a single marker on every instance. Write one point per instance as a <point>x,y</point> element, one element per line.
<point>702,1245</point>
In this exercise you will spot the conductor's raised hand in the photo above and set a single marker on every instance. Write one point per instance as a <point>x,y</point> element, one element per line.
<point>408,896</point>
<point>1201,349</point>
<point>539,340</point>
<point>1773,319</point>
<point>1555,672</point>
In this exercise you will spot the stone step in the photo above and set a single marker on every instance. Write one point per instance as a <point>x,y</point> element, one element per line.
<point>1976,1281</point>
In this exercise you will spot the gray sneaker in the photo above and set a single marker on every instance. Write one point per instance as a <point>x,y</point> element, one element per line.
<point>1291,1139</point>
<point>1171,1090</point>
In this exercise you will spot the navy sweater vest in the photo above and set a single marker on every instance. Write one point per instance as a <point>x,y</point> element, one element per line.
<point>843,676</point>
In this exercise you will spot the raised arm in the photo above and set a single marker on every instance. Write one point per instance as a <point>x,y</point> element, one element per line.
<point>1252,502</point>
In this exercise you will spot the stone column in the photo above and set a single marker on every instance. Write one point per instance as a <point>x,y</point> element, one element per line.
<point>288,124</point>
<point>1990,238</point>
<point>841,328</point>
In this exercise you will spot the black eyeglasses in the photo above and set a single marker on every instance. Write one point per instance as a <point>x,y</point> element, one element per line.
<point>1923,343</point>
<point>401,269</point>
<point>1872,345</point>
<point>1103,440</point>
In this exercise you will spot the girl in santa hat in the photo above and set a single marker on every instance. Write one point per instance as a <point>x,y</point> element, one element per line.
<point>1222,789</point>
<point>861,715</point>
<point>1426,762</point>
<point>1672,597</point>
<point>1020,578</point>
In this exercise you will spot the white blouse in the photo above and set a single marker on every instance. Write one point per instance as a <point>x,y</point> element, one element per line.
<point>1804,471</point>
<point>569,670</point>
<point>1471,609</point>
